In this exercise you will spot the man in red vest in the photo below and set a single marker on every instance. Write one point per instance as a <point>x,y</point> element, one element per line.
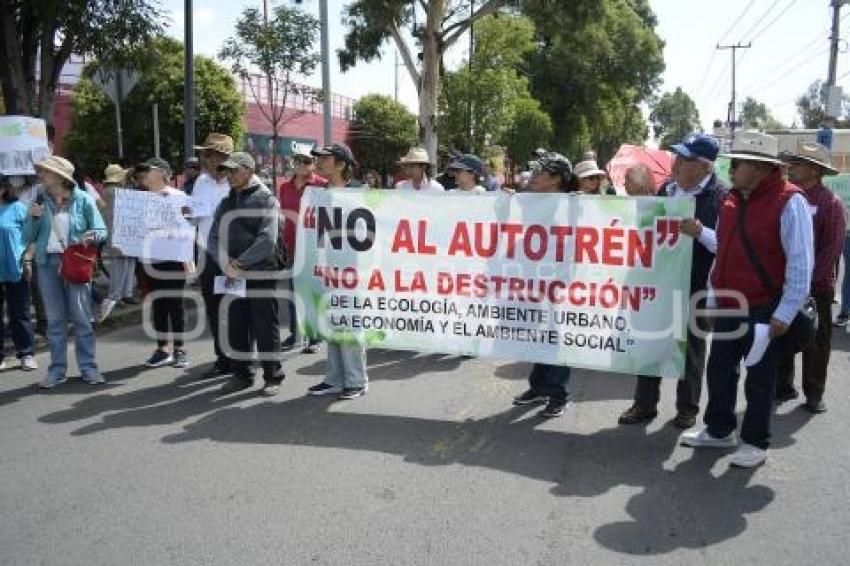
<point>760,279</point>
<point>806,168</point>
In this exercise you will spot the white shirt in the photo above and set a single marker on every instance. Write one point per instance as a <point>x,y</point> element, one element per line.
<point>63,223</point>
<point>428,185</point>
<point>212,192</point>
<point>708,237</point>
<point>476,190</point>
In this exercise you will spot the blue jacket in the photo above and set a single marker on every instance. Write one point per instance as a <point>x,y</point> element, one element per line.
<point>12,246</point>
<point>83,217</point>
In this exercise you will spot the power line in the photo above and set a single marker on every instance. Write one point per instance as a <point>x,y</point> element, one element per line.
<point>722,37</point>
<point>773,21</point>
<point>784,75</point>
<point>763,16</point>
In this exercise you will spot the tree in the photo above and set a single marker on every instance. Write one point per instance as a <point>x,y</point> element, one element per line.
<point>373,22</point>
<point>597,61</point>
<point>282,49</point>
<point>531,128</point>
<point>39,37</point>
<point>488,85</point>
<point>383,130</point>
<point>219,108</point>
<point>755,114</point>
<point>673,117</point>
<point>811,108</point>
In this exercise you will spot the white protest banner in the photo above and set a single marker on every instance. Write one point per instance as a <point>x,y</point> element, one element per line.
<point>598,282</point>
<point>23,141</point>
<point>151,226</point>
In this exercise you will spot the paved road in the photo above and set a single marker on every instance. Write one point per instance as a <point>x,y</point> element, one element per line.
<point>433,466</point>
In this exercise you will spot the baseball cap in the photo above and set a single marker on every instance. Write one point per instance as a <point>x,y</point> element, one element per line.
<point>155,163</point>
<point>467,162</point>
<point>698,145</point>
<point>555,163</point>
<point>237,160</point>
<point>338,150</point>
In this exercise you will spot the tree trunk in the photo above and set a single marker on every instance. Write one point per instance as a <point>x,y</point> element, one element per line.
<point>429,88</point>
<point>16,98</point>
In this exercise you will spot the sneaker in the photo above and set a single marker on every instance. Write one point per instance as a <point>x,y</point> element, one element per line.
<point>814,406</point>
<point>842,319</point>
<point>159,358</point>
<point>702,439</point>
<point>324,389</point>
<point>236,383</point>
<point>685,420</point>
<point>50,382</point>
<point>28,363</point>
<point>5,366</point>
<point>636,415</point>
<point>353,392</point>
<point>553,409</point>
<point>95,379</point>
<point>530,398</point>
<point>106,308</point>
<point>219,368</point>
<point>270,389</point>
<point>312,348</point>
<point>288,344</point>
<point>748,456</point>
<point>787,395</point>
<point>181,359</point>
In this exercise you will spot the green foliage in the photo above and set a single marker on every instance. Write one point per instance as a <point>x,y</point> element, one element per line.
<point>531,128</point>
<point>383,131</point>
<point>755,114</point>
<point>92,144</point>
<point>597,61</point>
<point>673,117</point>
<point>811,108</point>
<point>490,86</point>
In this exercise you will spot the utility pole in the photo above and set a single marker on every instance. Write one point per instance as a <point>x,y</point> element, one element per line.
<point>471,124</point>
<point>396,74</point>
<point>326,71</point>
<point>189,85</point>
<point>831,95</point>
<point>272,102</point>
<point>732,118</point>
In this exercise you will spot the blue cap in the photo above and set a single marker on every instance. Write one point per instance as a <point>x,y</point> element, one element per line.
<point>468,162</point>
<point>698,145</point>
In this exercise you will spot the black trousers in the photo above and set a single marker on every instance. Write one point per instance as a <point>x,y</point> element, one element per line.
<point>815,356</point>
<point>169,318</point>
<point>689,386</point>
<point>254,320</point>
<point>211,305</point>
<point>549,380</point>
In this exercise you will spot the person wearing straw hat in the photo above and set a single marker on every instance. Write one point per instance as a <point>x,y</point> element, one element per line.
<point>122,269</point>
<point>590,177</point>
<point>807,167</point>
<point>63,215</point>
<point>415,166</point>
<point>210,188</point>
<point>759,281</point>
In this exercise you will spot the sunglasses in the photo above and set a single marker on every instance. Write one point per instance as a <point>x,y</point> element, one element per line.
<point>303,160</point>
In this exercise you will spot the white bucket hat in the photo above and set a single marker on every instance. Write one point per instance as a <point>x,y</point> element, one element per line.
<point>813,153</point>
<point>416,155</point>
<point>587,168</point>
<point>755,146</point>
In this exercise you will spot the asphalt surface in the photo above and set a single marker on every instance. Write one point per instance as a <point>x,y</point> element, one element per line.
<point>433,466</point>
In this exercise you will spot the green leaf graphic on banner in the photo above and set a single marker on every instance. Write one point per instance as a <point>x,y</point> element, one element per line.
<point>374,337</point>
<point>374,198</point>
<point>650,212</point>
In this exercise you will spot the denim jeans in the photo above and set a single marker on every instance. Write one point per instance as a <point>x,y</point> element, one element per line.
<point>845,285</point>
<point>346,366</point>
<point>16,297</point>
<point>67,302</point>
<point>551,381</point>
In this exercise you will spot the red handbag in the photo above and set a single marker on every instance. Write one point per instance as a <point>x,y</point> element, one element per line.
<point>78,260</point>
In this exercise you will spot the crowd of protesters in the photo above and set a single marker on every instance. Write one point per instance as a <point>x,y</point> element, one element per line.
<point>776,238</point>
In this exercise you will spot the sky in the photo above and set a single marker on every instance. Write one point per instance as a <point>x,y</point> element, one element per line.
<point>790,49</point>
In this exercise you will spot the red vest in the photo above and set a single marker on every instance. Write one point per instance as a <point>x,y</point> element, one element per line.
<point>760,216</point>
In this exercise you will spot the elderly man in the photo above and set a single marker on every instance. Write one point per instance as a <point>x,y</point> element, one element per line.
<point>415,167</point>
<point>807,167</point>
<point>639,181</point>
<point>244,241</point>
<point>210,188</point>
<point>693,177</point>
<point>759,281</point>
<point>290,193</point>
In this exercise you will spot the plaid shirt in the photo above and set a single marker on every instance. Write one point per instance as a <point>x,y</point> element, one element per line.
<point>829,229</point>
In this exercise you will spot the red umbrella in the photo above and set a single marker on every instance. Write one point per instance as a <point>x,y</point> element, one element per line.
<point>660,162</point>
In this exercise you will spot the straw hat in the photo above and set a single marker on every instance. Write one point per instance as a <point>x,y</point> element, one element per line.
<point>114,174</point>
<point>755,146</point>
<point>813,153</point>
<point>59,166</point>
<point>416,155</point>
<point>587,168</point>
<point>221,143</point>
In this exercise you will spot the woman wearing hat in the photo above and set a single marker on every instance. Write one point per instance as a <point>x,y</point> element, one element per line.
<point>15,272</point>
<point>64,215</point>
<point>590,177</point>
<point>122,269</point>
<point>467,170</point>
<point>415,167</point>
